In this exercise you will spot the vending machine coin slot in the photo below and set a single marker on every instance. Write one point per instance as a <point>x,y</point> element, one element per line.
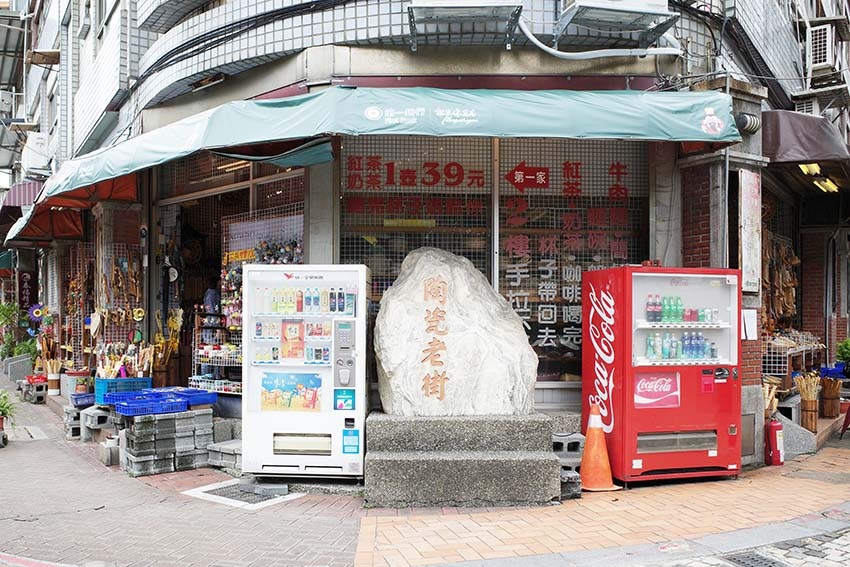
<point>349,422</point>
<point>344,354</point>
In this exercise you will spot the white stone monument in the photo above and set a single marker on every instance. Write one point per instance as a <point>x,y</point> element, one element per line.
<point>447,344</point>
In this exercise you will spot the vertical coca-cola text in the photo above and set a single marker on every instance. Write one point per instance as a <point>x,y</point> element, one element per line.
<point>601,327</point>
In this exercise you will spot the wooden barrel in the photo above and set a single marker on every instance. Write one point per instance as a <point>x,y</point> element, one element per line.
<point>54,384</point>
<point>809,415</point>
<point>830,405</point>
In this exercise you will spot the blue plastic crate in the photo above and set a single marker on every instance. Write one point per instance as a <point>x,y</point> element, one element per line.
<point>195,396</point>
<point>147,406</point>
<point>82,400</point>
<point>113,398</point>
<point>103,386</point>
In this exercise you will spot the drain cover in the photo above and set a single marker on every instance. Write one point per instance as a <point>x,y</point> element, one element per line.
<point>233,492</point>
<point>751,559</point>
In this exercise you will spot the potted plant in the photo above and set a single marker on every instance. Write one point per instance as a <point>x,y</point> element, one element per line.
<point>842,353</point>
<point>7,408</point>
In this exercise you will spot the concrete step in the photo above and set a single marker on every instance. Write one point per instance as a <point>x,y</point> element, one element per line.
<point>458,433</point>
<point>468,478</point>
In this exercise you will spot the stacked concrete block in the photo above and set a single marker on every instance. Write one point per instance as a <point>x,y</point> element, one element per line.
<point>33,393</point>
<point>569,448</point>
<point>162,443</point>
<point>18,367</point>
<point>108,453</point>
<point>227,430</point>
<point>96,422</point>
<point>72,422</point>
<point>227,454</point>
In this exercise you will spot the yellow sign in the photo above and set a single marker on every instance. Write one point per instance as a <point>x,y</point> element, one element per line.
<point>239,256</point>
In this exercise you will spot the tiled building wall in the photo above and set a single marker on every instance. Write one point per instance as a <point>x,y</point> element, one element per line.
<point>770,27</point>
<point>100,78</point>
<point>363,22</point>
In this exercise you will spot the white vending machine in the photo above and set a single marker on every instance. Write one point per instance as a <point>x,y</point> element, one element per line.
<point>304,390</point>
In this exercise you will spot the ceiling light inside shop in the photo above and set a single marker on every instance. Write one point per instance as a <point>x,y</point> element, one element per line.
<point>826,185</point>
<point>810,168</point>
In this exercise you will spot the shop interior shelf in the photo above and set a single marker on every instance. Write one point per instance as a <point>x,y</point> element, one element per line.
<point>683,362</point>
<point>641,324</point>
<point>301,316</point>
<point>289,363</point>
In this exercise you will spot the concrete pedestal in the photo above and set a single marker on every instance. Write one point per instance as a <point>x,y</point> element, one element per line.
<point>460,461</point>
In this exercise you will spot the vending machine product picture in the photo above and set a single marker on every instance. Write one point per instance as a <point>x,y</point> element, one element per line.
<point>304,393</point>
<point>661,359</point>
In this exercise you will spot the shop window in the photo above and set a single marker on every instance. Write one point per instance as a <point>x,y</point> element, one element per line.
<point>402,193</point>
<point>566,207</point>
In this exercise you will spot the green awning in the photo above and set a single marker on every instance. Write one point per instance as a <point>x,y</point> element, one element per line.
<point>7,259</point>
<point>622,115</point>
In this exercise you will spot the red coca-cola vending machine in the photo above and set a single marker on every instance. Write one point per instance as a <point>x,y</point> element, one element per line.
<point>661,349</point>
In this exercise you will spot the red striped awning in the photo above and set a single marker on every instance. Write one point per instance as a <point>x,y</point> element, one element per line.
<point>22,194</point>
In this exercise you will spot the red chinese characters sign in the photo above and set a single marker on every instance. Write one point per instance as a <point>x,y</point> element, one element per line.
<point>377,173</point>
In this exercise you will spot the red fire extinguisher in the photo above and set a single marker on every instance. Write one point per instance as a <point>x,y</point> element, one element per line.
<point>774,445</point>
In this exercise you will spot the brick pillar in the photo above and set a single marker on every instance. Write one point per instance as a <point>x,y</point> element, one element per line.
<point>696,216</point>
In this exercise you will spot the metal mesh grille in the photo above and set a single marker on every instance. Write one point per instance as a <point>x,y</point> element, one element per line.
<point>120,290</point>
<point>778,215</point>
<point>819,45</point>
<point>203,170</point>
<point>282,193</point>
<point>269,235</point>
<point>78,271</point>
<point>52,296</point>
<point>566,207</point>
<point>401,193</point>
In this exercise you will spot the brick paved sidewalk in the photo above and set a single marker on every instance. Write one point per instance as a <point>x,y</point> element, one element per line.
<point>58,503</point>
<point>657,514</point>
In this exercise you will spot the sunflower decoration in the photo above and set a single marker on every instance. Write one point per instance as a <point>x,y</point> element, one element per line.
<point>37,313</point>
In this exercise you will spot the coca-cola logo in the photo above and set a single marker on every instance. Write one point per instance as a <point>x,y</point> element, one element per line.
<point>601,328</point>
<point>657,385</point>
<point>657,390</point>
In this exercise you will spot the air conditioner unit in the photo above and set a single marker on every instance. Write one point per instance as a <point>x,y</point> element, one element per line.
<point>35,160</point>
<point>821,45</point>
<point>807,106</point>
<point>7,101</point>
<point>650,18</point>
<point>659,6</point>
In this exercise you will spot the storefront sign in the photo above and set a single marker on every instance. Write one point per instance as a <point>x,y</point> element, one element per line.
<point>657,390</point>
<point>239,256</point>
<point>413,206</point>
<point>750,215</point>
<point>27,289</point>
<point>524,177</point>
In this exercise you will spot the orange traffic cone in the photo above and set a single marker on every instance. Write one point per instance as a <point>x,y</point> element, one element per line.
<point>595,466</point>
